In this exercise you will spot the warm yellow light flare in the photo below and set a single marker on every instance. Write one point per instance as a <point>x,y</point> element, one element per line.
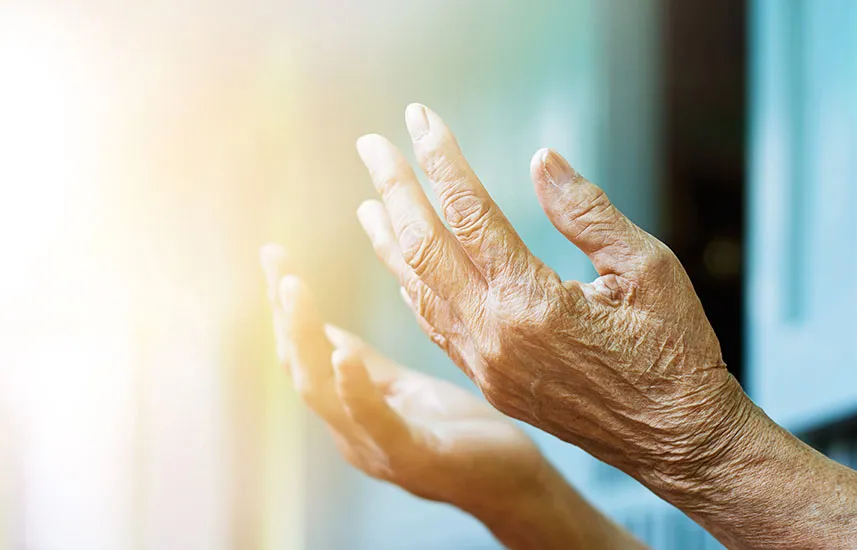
<point>137,407</point>
<point>65,366</point>
<point>52,118</point>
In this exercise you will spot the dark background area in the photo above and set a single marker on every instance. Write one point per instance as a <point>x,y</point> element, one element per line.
<point>705,66</point>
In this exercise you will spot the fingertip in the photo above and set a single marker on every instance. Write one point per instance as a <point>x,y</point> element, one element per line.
<point>273,258</point>
<point>550,168</point>
<point>558,169</point>
<point>269,252</point>
<point>370,147</point>
<point>417,121</point>
<point>537,164</point>
<point>368,214</point>
<point>363,143</point>
<point>415,108</point>
<point>368,206</point>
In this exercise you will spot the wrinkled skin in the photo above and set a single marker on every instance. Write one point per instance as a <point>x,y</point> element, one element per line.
<point>430,437</point>
<point>627,367</point>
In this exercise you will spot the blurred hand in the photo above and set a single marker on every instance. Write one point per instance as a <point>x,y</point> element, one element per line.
<point>430,437</point>
<point>627,367</point>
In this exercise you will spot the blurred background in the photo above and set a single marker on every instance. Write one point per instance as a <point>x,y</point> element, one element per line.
<point>148,149</point>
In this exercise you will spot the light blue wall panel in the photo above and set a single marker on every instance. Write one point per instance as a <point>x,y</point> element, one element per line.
<point>802,292</point>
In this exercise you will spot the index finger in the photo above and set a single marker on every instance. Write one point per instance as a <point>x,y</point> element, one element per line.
<point>307,346</point>
<point>474,218</point>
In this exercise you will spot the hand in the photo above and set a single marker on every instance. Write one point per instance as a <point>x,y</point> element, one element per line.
<point>627,367</point>
<point>428,436</point>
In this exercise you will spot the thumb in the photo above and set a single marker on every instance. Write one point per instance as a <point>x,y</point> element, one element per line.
<point>582,212</point>
<point>366,405</point>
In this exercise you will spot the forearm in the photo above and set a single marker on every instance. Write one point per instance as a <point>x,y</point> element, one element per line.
<point>768,490</point>
<point>552,516</point>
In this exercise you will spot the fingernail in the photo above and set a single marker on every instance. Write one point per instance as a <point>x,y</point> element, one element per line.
<point>556,169</point>
<point>416,120</point>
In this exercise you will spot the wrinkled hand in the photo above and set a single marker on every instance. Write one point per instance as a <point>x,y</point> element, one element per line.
<point>627,367</point>
<point>428,436</point>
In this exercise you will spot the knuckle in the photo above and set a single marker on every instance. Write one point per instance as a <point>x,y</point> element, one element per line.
<point>414,288</point>
<point>388,177</point>
<point>421,248</point>
<point>436,164</point>
<point>593,214</point>
<point>420,297</point>
<point>385,182</point>
<point>439,340</point>
<point>522,311</point>
<point>436,158</point>
<point>465,211</point>
<point>425,303</point>
<point>660,257</point>
<point>597,204</point>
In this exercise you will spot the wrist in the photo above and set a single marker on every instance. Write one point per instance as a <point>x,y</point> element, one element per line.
<point>548,515</point>
<point>511,505</point>
<point>717,434</point>
<point>755,485</point>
